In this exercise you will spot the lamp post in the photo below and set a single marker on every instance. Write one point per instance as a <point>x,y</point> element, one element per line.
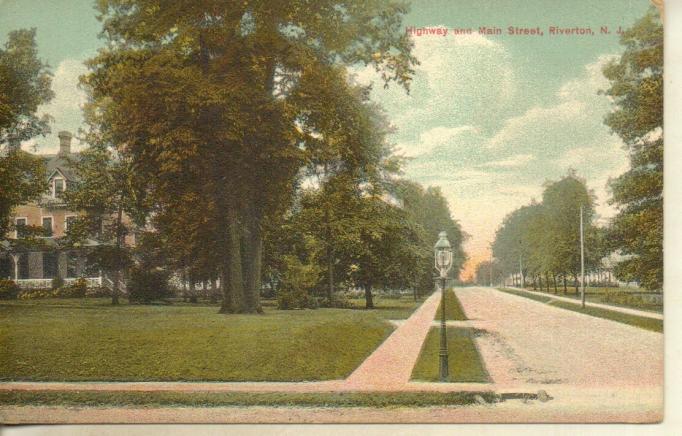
<point>443,263</point>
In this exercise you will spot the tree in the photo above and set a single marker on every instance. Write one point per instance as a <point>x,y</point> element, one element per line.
<point>231,92</point>
<point>637,92</point>
<point>24,85</point>
<point>482,275</point>
<point>543,239</point>
<point>429,209</point>
<point>562,201</point>
<point>105,191</point>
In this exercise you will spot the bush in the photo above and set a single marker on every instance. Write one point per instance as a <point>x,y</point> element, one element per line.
<point>99,291</point>
<point>297,283</point>
<point>32,294</point>
<point>75,290</point>
<point>145,286</point>
<point>57,283</point>
<point>8,290</point>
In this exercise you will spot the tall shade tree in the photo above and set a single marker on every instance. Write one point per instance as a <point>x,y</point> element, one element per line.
<point>637,92</point>
<point>239,93</point>
<point>429,209</point>
<point>24,85</point>
<point>105,192</point>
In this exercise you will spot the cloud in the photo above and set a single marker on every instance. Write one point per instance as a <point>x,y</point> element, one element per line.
<point>65,107</point>
<point>512,162</point>
<point>435,138</point>
<point>461,80</point>
<point>488,160</point>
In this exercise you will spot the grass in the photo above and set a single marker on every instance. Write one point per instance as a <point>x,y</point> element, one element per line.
<point>621,297</point>
<point>453,309</point>
<point>390,308</point>
<point>323,399</point>
<point>88,339</point>
<point>655,325</point>
<point>465,364</point>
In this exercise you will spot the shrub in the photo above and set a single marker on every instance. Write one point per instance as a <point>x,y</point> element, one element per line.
<point>75,290</point>
<point>145,286</point>
<point>99,291</point>
<point>297,283</point>
<point>57,282</point>
<point>32,294</point>
<point>8,290</point>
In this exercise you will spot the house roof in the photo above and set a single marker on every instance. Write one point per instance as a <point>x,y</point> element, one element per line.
<point>61,162</point>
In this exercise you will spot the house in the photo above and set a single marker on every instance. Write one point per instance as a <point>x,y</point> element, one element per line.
<point>34,266</point>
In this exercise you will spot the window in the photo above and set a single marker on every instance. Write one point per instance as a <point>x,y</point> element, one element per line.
<point>58,187</point>
<point>68,221</point>
<point>23,266</point>
<point>71,265</point>
<point>20,225</point>
<point>49,265</point>
<point>47,225</point>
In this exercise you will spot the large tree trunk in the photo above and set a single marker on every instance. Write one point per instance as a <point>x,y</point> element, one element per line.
<point>564,277</point>
<point>369,303</point>
<point>233,287</point>
<point>253,267</point>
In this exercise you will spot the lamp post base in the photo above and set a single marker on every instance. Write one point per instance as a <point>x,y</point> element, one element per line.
<point>443,365</point>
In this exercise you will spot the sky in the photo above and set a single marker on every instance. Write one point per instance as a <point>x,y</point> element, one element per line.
<point>489,118</point>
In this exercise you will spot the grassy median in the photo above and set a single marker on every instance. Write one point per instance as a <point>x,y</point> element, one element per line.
<point>222,399</point>
<point>646,323</point>
<point>76,340</point>
<point>464,361</point>
<point>453,309</point>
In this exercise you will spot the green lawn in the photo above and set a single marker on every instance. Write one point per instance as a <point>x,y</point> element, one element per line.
<point>87,339</point>
<point>465,364</point>
<point>637,321</point>
<point>390,308</point>
<point>453,310</point>
<point>157,399</point>
<point>622,297</point>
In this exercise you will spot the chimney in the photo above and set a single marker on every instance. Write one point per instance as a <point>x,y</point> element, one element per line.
<point>64,142</point>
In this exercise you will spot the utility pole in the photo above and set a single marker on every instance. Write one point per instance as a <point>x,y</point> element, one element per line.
<point>491,267</point>
<point>523,281</point>
<point>582,259</point>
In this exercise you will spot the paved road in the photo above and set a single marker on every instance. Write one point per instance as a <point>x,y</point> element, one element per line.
<point>532,342</point>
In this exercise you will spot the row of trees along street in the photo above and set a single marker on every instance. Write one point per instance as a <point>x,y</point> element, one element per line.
<point>541,241</point>
<point>231,139</point>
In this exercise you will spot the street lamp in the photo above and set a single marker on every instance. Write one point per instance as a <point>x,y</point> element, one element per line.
<point>443,262</point>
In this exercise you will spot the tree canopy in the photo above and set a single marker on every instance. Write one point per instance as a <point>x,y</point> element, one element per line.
<point>637,92</point>
<point>544,238</point>
<point>24,85</point>
<point>226,104</point>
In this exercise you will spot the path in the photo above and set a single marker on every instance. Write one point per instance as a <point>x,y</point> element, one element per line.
<point>629,311</point>
<point>390,365</point>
